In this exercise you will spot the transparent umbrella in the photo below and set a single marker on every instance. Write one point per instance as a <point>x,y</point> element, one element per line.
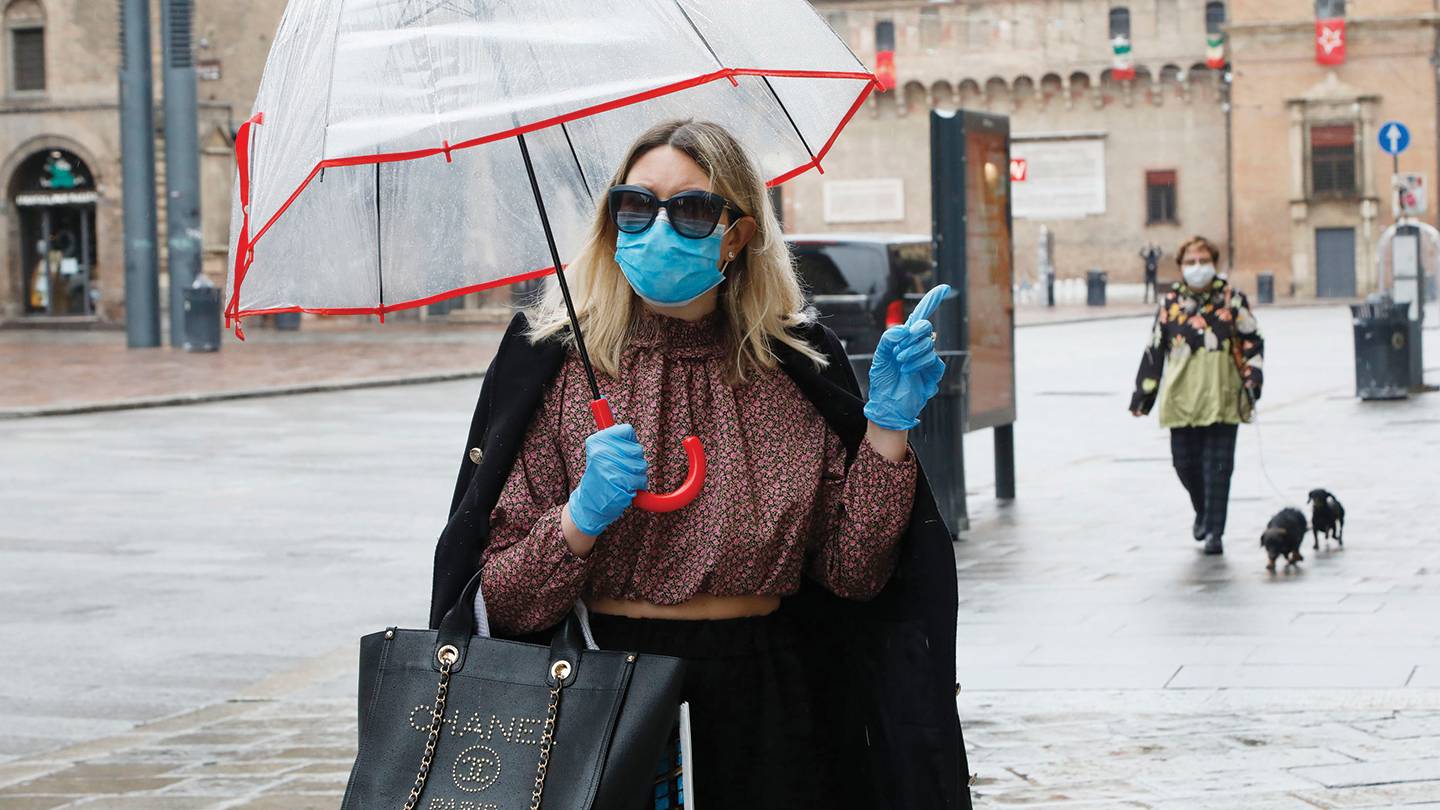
<point>402,152</point>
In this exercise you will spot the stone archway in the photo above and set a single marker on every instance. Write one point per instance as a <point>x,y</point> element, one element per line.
<point>51,194</point>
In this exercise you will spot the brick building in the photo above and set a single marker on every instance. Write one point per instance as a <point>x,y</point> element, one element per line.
<point>1276,159</point>
<point>1312,186</point>
<point>1280,166</point>
<point>1112,165</point>
<point>60,147</point>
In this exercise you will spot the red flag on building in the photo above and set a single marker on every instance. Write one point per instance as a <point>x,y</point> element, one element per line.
<point>885,70</point>
<point>1330,41</point>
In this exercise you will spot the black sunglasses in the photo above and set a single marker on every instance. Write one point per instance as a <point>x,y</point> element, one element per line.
<point>693,214</point>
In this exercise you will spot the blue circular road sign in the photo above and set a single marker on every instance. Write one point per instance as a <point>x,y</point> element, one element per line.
<point>1394,137</point>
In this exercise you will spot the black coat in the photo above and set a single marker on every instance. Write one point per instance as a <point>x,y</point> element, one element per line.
<point>892,659</point>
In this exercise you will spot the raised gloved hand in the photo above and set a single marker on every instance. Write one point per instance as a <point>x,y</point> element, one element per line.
<point>614,471</point>
<point>905,372</point>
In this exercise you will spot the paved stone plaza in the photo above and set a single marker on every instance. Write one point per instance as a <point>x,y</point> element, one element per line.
<point>183,589</point>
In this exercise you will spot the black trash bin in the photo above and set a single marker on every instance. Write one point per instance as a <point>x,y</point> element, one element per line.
<point>202,316</point>
<point>1382,348</point>
<point>1095,288</point>
<point>287,321</point>
<point>1265,282</point>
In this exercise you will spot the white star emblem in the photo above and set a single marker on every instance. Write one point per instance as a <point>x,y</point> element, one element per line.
<point>1330,39</point>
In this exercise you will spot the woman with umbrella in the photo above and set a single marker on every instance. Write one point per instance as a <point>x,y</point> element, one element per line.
<point>695,325</point>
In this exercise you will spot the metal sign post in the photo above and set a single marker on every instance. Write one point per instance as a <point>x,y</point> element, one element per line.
<point>137,171</point>
<point>1407,270</point>
<point>1394,139</point>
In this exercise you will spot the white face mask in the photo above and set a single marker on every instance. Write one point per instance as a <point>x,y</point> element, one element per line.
<point>1198,276</point>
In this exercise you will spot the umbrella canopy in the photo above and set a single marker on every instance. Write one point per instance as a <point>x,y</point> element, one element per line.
<point>382,170</point>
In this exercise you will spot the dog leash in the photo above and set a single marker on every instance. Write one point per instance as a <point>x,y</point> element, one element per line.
<point>1254,406</point>
<point>1260,445</point>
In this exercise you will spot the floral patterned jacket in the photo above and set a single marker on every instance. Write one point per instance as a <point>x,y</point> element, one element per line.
<point>1191,346</point>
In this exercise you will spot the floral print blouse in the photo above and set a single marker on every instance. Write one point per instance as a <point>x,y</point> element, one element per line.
<point>780,500</point>
<point>1191,346</point>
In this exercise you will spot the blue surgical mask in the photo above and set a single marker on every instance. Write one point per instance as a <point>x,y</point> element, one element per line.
<point>668,269</point>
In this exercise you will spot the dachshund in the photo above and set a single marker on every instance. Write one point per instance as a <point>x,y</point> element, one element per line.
<point>1327,517</point>
<point>1284,536</point>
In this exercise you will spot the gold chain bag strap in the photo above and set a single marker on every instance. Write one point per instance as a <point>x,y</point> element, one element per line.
<point>476,703</point>
<point>1245,404</point>
<point>447,656</point>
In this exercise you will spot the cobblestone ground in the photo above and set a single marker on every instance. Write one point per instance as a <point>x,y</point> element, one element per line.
<point>1104,662</point>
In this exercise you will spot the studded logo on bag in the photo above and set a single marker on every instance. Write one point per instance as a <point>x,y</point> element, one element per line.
<point>476,768</point>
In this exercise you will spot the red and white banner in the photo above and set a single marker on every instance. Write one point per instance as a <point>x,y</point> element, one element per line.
<point>1019,169</point>
<point>1330,41</point>
<point>885,70</point>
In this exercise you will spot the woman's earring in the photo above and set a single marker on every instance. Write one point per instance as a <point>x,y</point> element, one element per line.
<point>731,257</point>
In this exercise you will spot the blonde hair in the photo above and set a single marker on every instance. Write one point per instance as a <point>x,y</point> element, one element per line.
<point>760,299</point>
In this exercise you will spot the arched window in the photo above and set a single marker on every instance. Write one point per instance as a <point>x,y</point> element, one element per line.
<point>1119,22</point>
<point>1329,9</point>
<point>1214,17</point>
<point>25,41</point>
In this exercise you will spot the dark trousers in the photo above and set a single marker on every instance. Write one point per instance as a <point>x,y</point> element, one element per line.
<point>1152,292</point>
<point>1204,459</point>
<point>757,744</point>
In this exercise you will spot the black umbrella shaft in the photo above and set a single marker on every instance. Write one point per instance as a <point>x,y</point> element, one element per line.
<point>559,272</point>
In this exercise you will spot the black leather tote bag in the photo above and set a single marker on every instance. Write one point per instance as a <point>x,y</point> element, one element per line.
<point>454,721</point>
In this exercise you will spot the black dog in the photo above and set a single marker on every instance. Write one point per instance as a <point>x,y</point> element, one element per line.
<point>1283,537</point>
<point>1327,516</point>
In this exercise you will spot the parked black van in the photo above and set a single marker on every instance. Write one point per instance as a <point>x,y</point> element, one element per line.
<point>862,282</point>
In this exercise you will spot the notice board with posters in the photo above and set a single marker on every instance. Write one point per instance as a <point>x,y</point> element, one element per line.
<point>1064,176</point>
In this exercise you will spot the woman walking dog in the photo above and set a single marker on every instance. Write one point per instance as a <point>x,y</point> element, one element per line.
<point>810,586</point>
<point>1207,344</point>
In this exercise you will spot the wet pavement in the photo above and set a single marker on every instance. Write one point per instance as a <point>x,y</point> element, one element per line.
<point>184,587</point>
<point>54,372</point>
<point>50,371</point>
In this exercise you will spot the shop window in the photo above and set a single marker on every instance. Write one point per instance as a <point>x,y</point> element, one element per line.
<point>1332,160</point>
<point>1119,22</point>
<point>1214,17</point>
<point>25,38</point>
<point>1329,9</point>
<point>1160,197</point>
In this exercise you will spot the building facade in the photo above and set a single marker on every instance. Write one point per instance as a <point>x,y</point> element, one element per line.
<point>1109,165</point>
<point>1313,187</point>
<point>1270,154</point>
<point>61,228</point>
<point>1226,141</point>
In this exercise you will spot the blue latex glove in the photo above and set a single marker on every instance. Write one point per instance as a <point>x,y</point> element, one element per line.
<point>614,471</point>
<point>905,372</point>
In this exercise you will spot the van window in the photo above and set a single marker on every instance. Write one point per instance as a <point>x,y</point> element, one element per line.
<point>841,269</point>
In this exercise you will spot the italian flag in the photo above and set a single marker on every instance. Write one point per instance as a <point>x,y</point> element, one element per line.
<point>1215,51</point>
<point>1124,65</point>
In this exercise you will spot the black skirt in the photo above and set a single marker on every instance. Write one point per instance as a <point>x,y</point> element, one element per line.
<point>757,742</point>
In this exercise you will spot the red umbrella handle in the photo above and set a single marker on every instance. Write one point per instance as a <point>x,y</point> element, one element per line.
<point>654,501</point>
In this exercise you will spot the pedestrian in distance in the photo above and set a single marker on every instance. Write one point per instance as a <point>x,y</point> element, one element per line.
<point>1151,254</point>
<point>1206,344</point>
<point>810,585</point>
